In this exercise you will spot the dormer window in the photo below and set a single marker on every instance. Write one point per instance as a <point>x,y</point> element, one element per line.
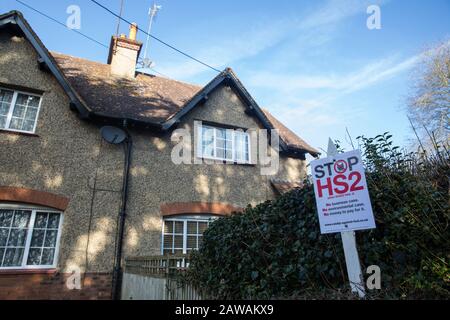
<point>18,111</point>
<point>223,144</point>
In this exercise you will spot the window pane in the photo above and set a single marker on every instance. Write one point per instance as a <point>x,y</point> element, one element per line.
<point>4,108</point>
<point>179,227</point>
<point>220,143</point>
<point>168,227</point>
<point>2,251</point>
<point>26,100</point>
<point>6,218</point>
<point>229,135</point>
<point>168,241</point>
<point>16,124</point>
<point>28,125</point>
<point>238,147</point>
<point>47,257</point>
<point>220,133</point>
<point>207,141</point>
<point>33,101</point>
<point>5,104</point>
<point>178,242</point>
<point>192,242</point>
<point>200,241</point>
<point>50,238</point>
<point>208,150</point>
<point>13,257</point>
<point>24,112</point>
<point>53,221</point>
<point>41,220</point>
<point>17,238</point>
<point>202,227</point>
<point>31,114</point>
<point>6,96</point>
<point>192,227</point>
<point>220,153</point>
<point>38,238</point>
<point>2,122</point>
<point>241,145</point>
<point>3,237</point>
<point>34,257</point>
<point>19,111</point>
<point>21,219</point>
<point>44,239</point>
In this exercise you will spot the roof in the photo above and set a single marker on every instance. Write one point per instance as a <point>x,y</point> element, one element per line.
<point>147,99</point>
<point>292,140</point>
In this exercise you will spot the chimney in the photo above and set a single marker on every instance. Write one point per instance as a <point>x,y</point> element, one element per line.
<point>124,54</point>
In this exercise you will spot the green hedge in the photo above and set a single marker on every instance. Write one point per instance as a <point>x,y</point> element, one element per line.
<point>275,250</point>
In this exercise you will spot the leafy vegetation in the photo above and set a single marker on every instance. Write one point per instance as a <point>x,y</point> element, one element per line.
<point>275,250</point>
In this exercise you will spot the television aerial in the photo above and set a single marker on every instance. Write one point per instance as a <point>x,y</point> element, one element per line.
<point>146,62</point>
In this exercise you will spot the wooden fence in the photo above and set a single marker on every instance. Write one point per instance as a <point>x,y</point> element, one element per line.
<point>157,278</point>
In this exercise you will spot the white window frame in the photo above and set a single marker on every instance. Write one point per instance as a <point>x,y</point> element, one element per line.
<point>11,110</point>
<point>233,148</point>
<point>185,219</point>
<point>30,228</point>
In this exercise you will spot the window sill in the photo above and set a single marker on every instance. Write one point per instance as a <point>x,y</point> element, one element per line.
<point>29,134</point>
<point>27,271</point>
<point>221,161</point>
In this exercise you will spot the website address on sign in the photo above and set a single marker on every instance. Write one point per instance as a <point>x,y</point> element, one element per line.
<point>346,222</point>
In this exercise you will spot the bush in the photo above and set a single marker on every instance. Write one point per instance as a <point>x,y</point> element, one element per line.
<point>275,250</point>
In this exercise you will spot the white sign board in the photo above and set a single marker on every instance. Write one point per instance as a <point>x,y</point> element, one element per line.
<point>342,197</point>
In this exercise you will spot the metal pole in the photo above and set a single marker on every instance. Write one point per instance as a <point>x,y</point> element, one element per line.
<point>148,32</point>
<point>118,21</point>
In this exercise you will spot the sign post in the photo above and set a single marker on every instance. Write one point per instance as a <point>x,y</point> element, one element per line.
<point>343,204</point>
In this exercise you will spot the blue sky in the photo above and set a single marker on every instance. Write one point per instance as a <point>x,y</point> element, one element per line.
<point>314,64</point>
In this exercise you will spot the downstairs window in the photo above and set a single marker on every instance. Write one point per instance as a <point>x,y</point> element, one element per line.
<point>182,235</point>
<point>29,238</point>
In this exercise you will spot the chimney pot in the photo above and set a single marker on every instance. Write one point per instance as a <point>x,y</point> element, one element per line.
<point>133,31</point>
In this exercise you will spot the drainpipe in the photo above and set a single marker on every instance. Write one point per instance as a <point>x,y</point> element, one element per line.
<point>117,271</point>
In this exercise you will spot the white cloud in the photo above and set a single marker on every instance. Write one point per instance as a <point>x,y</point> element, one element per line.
<point>368,75</point>
<point>264,35</point>
<point>336,10</point>
<point>235,48</point>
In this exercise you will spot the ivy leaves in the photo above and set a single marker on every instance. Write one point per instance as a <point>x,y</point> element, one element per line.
<point>275,249</point>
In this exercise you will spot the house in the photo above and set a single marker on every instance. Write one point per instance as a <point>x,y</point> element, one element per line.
<point>61,183</point>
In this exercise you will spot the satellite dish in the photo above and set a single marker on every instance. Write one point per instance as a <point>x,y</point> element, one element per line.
<point>113,135</point>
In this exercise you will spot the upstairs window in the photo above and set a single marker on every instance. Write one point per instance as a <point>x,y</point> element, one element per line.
<point>29,238</point>
<point>223,144</point>
<point>18,111</point>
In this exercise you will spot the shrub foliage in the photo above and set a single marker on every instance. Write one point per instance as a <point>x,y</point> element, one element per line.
<point>275,249</point>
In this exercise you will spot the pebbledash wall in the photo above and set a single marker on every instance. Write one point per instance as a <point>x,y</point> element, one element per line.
<point>68,159</point>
